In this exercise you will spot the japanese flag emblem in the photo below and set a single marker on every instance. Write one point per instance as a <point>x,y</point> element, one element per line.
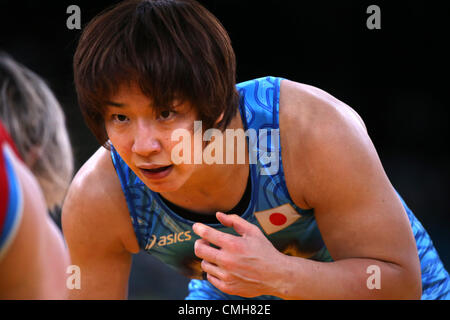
<point>276,219</point>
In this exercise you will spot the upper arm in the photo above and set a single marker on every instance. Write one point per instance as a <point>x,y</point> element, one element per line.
<point>96,225</point>
<point>34,264</point>
<point>341,176</point>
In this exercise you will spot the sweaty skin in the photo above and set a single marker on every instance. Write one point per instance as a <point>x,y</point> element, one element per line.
<point>339,174</point>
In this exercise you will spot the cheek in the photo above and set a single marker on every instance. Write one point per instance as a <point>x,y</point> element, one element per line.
<point>111,134</point>
<point>121,143</point>
<point>176,147</point>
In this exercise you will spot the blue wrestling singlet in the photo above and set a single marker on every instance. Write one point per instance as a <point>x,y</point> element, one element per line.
<point>292,230</point>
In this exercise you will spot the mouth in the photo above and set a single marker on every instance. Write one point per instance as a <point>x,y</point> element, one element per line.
<point>157,172</point>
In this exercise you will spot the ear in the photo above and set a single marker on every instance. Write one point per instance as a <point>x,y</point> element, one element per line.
<point>219,118</point>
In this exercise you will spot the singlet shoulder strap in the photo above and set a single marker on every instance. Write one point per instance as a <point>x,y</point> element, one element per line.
<point>132,195</point>
<point>259,107</point>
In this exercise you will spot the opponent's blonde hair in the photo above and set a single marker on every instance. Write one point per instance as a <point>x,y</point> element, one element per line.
<point>36,123</point>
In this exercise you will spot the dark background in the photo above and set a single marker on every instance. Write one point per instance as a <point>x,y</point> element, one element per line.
<point>396,78</point>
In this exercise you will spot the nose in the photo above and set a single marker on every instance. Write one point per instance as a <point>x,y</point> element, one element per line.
<point>146,142</point>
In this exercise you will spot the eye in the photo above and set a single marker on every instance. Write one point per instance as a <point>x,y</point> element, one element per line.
<point>120,118</point>
<point>166,114</point>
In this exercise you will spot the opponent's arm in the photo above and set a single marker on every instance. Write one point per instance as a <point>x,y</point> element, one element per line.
<point>34,265</point>
<point>95,223</point>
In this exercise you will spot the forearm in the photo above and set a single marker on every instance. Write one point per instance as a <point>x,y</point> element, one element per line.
<point>344,279</point>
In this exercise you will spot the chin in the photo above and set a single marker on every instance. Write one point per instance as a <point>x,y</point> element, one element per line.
<point>166,185</point>
<point>171,183</point>
<point>163,187</point>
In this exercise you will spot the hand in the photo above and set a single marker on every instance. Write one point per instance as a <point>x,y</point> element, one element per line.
<point>247,265</point>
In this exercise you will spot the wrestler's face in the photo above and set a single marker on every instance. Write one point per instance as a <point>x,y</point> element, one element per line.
<point>143,138</point>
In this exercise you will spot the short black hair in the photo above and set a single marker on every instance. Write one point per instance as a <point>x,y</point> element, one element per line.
<point>172,49</point>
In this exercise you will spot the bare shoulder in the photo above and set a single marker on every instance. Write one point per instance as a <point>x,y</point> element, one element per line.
<point>96,205</point>
<point>308,106</point>
<point>312,120</point>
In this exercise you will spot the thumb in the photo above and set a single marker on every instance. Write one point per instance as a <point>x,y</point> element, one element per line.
<point>236,222</point>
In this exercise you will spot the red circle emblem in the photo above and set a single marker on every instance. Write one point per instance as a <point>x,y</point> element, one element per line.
<point>277,219</point>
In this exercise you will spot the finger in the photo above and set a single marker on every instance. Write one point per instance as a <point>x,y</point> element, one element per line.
<point>212,269</point>
<point>204,251</point>
<point>216,282</point>
<point>234,221</point>
<point>219,238</point>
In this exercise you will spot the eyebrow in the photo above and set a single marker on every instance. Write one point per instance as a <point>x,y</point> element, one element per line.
<point>115,104</point>
<point>123,105</point>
